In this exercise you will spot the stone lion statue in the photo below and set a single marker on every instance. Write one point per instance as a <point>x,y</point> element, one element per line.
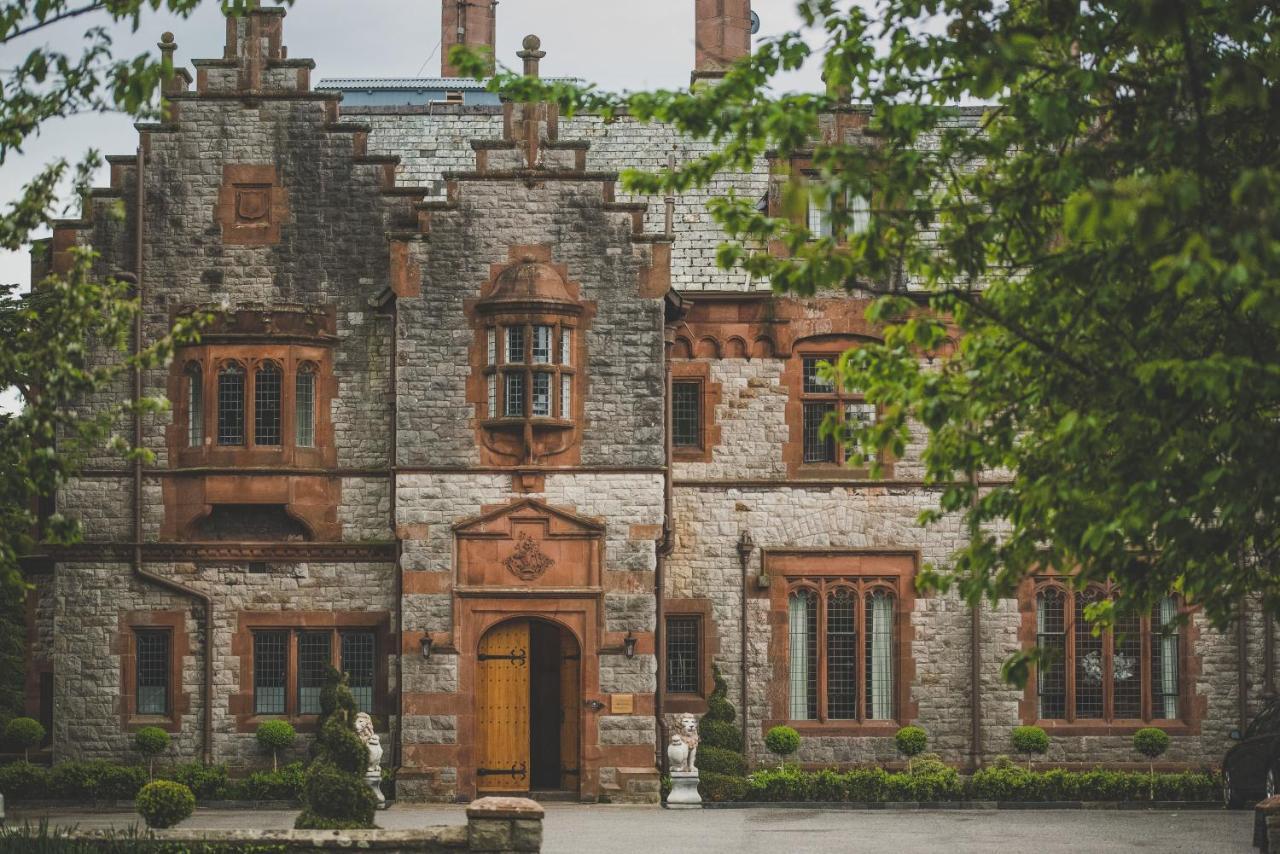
<point>682,753</point>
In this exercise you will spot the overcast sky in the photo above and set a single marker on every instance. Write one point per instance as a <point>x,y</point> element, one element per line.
<point>619,45</point>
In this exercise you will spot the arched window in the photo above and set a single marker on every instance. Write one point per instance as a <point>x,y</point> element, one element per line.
<point>802,612</point>
<point>1051,678</point>
<point>879,644</point>
<point>849,673</point>
<point>1083,676</point>
<point>266,404</point>
<point>231,404</point>
<point>842,654</point>
<point>304,406</point>
<point>194,378</point>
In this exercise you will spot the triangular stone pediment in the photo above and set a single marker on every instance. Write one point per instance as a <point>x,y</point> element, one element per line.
<point>529,543</point>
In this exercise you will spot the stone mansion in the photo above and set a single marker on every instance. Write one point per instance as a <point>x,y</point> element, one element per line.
<point>505,445</point>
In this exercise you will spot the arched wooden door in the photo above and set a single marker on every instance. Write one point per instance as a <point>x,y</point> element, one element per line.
<point>502,706</point>
<point>528,701</point>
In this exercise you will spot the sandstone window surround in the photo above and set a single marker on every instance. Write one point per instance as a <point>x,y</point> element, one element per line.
<point>694,398</point>
<point>284,658</point>
<point>269,406</point>
<point>153,647</point>
<point>1131,675</point>
<point>529,360</point>
<point>815,399</point>
<point>691,644</point>
<point>842,629</point>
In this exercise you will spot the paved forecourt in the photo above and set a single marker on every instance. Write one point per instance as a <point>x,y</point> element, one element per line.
<point>572,828</point>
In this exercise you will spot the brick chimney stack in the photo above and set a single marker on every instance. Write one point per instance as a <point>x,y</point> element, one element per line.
<point>469,22</point>
<point>722,35</point>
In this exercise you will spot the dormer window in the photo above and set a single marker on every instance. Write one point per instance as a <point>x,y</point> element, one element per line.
<point>528,325</point>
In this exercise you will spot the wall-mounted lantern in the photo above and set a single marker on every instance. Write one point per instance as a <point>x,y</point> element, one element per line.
<point>629,645</point>
<point>426,646</point>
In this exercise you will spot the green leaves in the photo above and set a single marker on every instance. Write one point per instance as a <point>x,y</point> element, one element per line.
<point>1078,284</point>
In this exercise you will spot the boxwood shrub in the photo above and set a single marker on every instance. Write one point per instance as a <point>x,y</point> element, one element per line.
<point>164,803</point>
<point>717,760</point>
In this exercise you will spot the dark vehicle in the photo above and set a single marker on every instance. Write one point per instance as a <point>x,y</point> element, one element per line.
<point>1251,769</point>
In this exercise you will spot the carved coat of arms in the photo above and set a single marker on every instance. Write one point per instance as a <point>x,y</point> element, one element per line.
<point>253,204</point>
<point>527,560</point>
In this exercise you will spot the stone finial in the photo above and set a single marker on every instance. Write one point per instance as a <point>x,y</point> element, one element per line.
<point>531,54</point>
<point>167,45</point>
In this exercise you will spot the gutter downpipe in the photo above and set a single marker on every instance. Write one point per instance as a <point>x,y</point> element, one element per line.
<point>139,569</point>
<point>399,571</point>
<point>975,666</point>
<point>666,543</point>
<point>746,548</point>
<point>1242,664</point>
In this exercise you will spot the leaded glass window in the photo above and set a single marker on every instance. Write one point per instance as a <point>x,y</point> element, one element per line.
<point>152,673</point>
<point>684,659</point>
<point>313,658</point>
<point>359,664</point>
<point>686,414</point>
<point>195,406</point>
<point>817,447</point>
<point>542,336</point>
<point>1108,667</point>
<point>270,660</point>
<point>266,404</point>
<point>802,618</point>
<point>542,395</point>
<point>231,404</point>
<point>513,396</point>
<point>842,654</point>
<point>304,407</point>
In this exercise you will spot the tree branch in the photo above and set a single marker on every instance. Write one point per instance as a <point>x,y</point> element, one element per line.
<point>61,16</point>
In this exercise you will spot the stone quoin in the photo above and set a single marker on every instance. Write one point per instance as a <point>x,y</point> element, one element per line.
<point>504,444</point>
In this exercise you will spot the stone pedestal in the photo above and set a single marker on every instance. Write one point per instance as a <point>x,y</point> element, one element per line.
<point>684,791</point>
<point>374,779</point>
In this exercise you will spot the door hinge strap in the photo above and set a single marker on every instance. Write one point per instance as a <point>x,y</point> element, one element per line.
<point>517,770</point>
<point>517,655</point>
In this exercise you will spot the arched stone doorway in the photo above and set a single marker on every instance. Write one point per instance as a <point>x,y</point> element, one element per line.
<point>528,702</point>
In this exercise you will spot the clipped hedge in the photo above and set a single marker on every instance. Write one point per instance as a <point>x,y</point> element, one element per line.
<point>933,784</point>
<point>1019,784</point>
<point>99,780</point>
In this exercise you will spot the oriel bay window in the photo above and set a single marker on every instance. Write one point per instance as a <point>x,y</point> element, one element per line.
<point>528,360</point>
<point>268,405</point>
<point>1129,673</point>
<point>289,667</point>
<point>533,378</point>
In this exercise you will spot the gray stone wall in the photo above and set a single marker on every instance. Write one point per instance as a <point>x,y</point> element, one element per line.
<point>89,599</point>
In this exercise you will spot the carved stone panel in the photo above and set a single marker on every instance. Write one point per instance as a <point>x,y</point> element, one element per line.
<point>529,544</point>
<point>251,205</point>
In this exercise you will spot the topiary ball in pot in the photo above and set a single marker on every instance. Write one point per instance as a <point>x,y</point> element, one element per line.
<point>164,803</point>
<point>275,736</point>
<point>151,741</point>
<point>782,741</point>
<point>24,734</point>
<point>911,741</point>
<point>1151,742</point>
<point>1030,740</point>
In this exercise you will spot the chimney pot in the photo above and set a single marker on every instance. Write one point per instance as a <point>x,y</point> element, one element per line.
<point>722,35</point>
<point>467,22</point>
